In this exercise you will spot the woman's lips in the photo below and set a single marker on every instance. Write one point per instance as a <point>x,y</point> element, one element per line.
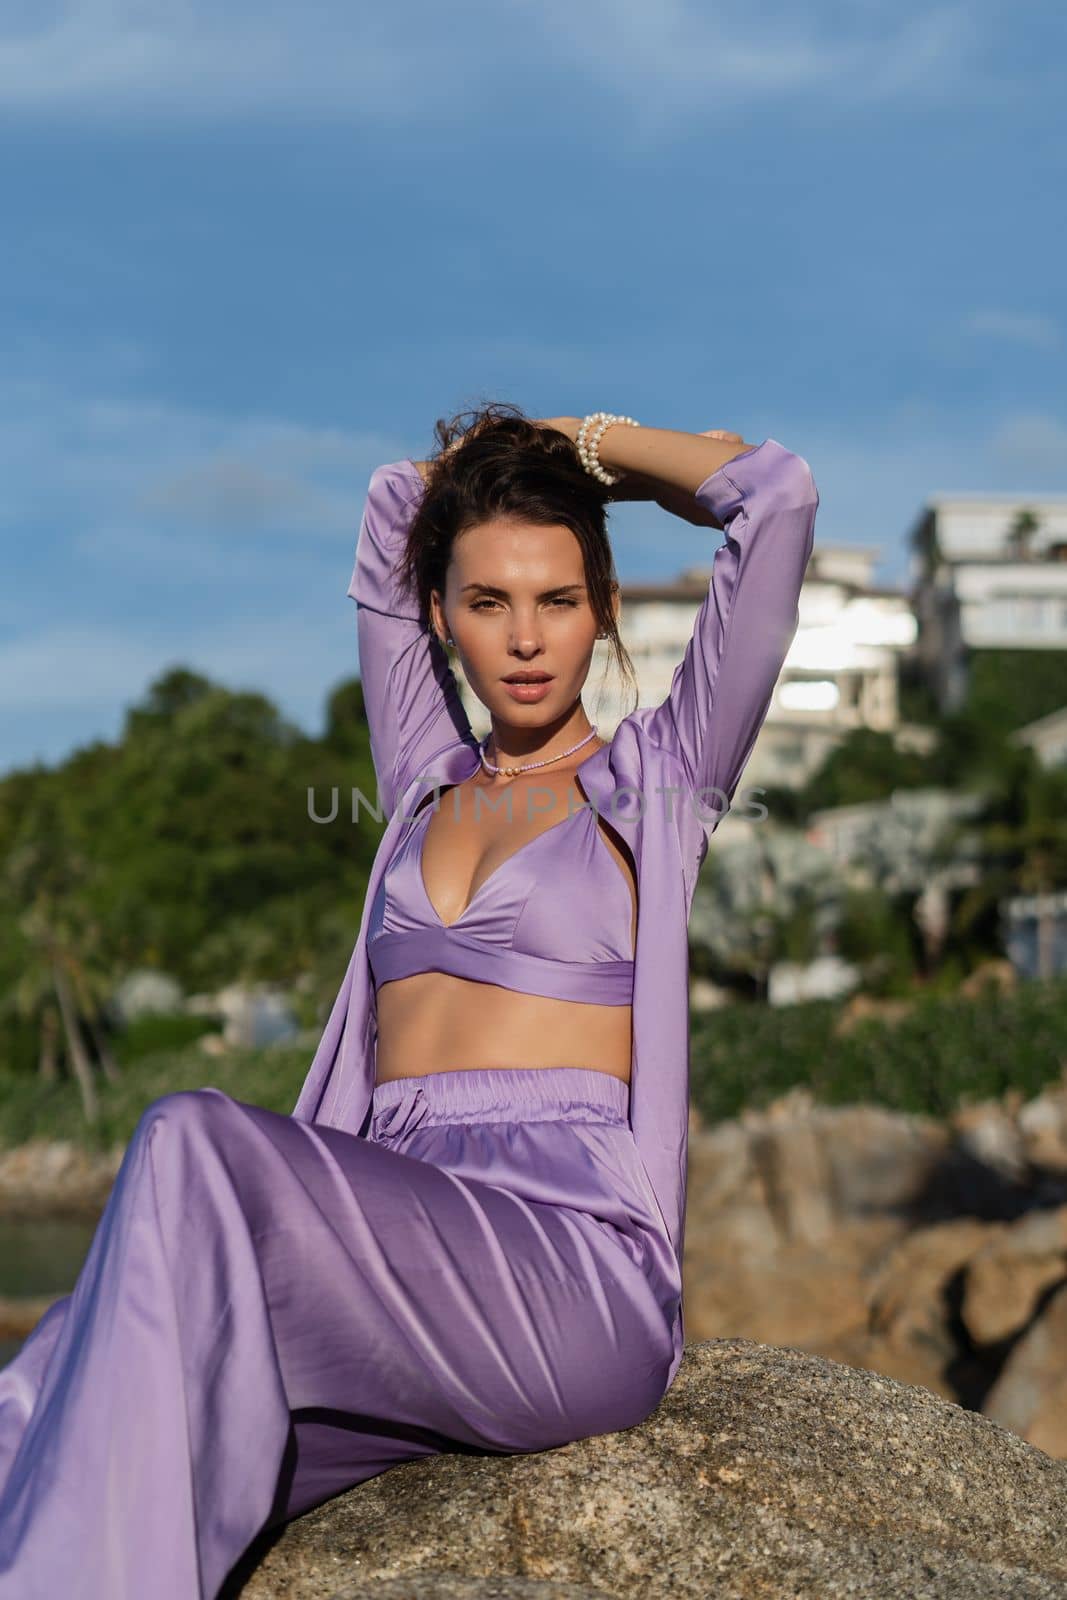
<point>528,691</point>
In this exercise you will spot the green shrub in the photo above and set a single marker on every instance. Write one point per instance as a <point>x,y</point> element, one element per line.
<point>944,1051</point>
<point>947,1049</point>
<point>1008,688</point>
<point>161,1031</point>
<point>30,1109</point>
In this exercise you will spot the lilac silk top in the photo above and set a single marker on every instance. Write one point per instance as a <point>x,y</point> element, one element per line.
<point>553,919</point>
<point>664,782</point>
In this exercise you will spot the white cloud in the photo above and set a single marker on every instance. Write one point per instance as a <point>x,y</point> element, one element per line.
<point>89,463</point>
<point>706,54</point>
<point>236,493</point>
<point>1036,442</point>
<point>873,483</point>
<point>193,61</point>
<point>1017,326</point>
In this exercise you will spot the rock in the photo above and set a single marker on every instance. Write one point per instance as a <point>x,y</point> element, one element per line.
<point>890,1242</point>
<point>790,1209</point>
<point>763,1473</point>
<point>909,1312</point>
<point>802,1297</point>
<point>863,1007</point>
<point>791,1160</point>
<point>1007,1276</point>
<point>879,1160</point>
<point>1030,1394</point>
<point>990,1133</point>
<point>720,1166</point>
<point>214,1045</point>
<point>707,996</point>
<point>1043,1125</point>
<point>447,1586</point>
<point>996,973</point>
<point>146,992</point>
<point>56,1178</point>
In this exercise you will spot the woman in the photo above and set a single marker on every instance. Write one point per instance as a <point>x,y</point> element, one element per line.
<point>469,1233</point>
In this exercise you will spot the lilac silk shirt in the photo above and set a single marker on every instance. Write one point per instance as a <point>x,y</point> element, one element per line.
<point>664,781</point>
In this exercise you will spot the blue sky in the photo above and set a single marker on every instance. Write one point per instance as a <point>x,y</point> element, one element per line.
<point>249,252</point>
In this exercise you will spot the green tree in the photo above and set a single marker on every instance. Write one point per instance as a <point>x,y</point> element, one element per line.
<point>1021,533</point>
<point>48,879</point>
<point>866,765</point>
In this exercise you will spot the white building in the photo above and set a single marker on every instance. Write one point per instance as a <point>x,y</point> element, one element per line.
<point>1047,737</point>
<point>990,573</point>
<point>840,673</point>
<point>1034,930</point>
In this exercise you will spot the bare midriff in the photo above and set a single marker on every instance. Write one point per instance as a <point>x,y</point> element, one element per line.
<point>434,1022</point>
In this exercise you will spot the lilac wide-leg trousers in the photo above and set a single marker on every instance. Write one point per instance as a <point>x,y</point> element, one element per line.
<point>272,1311</point>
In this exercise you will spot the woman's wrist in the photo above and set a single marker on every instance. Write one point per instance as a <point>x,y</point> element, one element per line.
<point>679,460</point>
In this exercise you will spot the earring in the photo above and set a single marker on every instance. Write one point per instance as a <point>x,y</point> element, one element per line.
<point>450,640</point>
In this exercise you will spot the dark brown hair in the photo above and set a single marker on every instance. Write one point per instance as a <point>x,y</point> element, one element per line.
<point>493,461</point>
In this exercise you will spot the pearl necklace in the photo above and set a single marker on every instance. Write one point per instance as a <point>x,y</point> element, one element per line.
<point>511,772</point>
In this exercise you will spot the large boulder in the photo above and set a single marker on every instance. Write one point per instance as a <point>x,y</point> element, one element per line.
<point>764,1472</point>
<point>56,1178</point>
<point>927,1251</point>
<point>1030,1394</point>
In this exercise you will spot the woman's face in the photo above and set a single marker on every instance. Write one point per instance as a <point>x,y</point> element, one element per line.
<point>515,598</point>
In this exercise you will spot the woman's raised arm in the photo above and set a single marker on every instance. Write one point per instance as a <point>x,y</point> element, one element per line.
<point>410,692</point>
<point>765,500</point>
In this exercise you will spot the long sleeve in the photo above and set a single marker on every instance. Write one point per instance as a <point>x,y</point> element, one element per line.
<point>410,692</point>
<point>766,501</point>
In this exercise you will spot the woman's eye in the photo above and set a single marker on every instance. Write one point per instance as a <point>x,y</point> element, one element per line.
<point>559,600</point>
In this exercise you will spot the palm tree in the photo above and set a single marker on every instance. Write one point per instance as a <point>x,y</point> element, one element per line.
<point>46,878</point>
<point>1021,533</point>
<point>1021,839</point>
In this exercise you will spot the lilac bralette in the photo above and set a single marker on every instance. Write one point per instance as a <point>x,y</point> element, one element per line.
<point>553,919</point>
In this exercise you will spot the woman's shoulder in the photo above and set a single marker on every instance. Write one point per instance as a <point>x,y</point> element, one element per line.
<point>632,777</point>
<point>635,746</point>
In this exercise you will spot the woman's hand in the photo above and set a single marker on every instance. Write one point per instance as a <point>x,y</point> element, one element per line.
<point>639,486</point>
<point>567,425</point>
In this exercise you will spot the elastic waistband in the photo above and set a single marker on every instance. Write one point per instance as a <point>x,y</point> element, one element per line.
<point>507,1094</point>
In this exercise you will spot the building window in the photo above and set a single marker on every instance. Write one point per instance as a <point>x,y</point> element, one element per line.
<point>1030,612</point>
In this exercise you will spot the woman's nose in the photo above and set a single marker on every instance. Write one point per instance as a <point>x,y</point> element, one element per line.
<point>525,637</point>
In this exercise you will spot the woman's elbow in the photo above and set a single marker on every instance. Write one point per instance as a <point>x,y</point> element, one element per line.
<point>800,488</point>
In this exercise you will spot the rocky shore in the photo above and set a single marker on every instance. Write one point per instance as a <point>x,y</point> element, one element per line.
<point>764,1473</point>
<point>933,1252</point>
<point>56,1178</point>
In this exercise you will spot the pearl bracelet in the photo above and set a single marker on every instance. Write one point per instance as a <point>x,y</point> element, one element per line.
<point>589,443</point>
